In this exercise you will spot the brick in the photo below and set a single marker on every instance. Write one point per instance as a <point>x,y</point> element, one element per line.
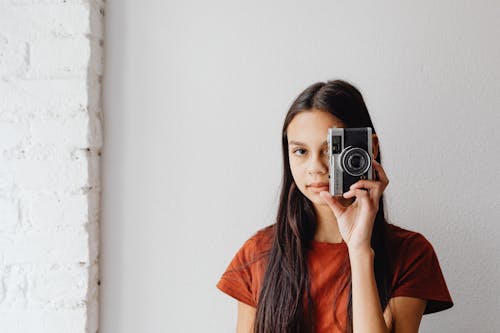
<point>13,134</point>
<point>43,175</point>
<point>39,152</point>
<point>47,246</point>
<point>94,170</point>
<point>35,320</point>
<point>27,99</point>
<point>97,19</point>
<point>72,132</point>
<point>14,279</point>
<point>59,57</point>
<point>9,214</point>
<point>96,135</point>
<point>48,210</point>
<point>6,177</point>
<point>13,56</point>
<point>96,63</point>
<point>93,232</point>
<point>48,2</point>
<point>44,20</point>
<point>58,287</point>
<point>3,291</point>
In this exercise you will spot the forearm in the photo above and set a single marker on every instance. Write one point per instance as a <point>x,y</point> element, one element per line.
<point>366,309</point>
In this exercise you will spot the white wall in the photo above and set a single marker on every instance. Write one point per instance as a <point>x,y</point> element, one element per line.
<point>50,141</point>
<point>195,96</point>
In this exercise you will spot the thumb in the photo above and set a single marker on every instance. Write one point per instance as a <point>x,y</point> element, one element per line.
<point>333,203</point>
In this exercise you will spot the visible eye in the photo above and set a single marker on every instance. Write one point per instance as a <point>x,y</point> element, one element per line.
<point>302,152</point>
<point>299,150</point>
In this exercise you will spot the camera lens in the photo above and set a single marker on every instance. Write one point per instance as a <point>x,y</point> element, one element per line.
<point>355,161</point>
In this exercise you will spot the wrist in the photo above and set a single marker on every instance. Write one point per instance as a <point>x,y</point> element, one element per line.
<point>365,251</point>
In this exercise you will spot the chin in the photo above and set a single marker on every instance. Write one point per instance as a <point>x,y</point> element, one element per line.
<point>319,202</point>
<point>343,201</point>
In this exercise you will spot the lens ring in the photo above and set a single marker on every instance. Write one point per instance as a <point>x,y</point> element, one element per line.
<point>355,161</point>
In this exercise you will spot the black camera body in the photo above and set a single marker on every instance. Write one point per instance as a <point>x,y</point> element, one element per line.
<point>350,156</point>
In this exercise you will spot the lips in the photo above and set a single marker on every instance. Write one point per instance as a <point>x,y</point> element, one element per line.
<point>318,185</point>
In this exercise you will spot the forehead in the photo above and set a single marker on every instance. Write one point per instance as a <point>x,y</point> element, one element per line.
<point>311,126</point>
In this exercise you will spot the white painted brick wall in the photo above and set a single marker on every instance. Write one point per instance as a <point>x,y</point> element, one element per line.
<point>50,141</point>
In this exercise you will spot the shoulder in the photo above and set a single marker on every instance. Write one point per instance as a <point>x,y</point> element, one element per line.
<point>401,239</point>
<point>257,245</point>
<point>264,235</point>
<point>261,240</point>
<point>243,276</point>
<point>409,251</point>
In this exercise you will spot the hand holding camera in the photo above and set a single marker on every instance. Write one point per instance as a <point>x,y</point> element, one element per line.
<point>352,174</point>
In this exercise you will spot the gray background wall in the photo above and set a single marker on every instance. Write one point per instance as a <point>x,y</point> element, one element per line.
<point>195,94</point>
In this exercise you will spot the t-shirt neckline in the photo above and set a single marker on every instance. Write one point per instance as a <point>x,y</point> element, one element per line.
<point>325,245</point>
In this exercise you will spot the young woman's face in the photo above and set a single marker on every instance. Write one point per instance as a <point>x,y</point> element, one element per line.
<point>308,152</point>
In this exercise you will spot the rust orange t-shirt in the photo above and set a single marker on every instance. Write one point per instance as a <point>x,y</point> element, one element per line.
<point>416,268</point>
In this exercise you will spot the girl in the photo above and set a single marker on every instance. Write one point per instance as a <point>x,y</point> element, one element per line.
<point>332,264</point>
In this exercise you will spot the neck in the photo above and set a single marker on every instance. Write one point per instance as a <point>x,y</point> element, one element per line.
<point>327,229</point>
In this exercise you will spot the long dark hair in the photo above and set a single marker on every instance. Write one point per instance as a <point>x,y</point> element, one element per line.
<point>285,303</point>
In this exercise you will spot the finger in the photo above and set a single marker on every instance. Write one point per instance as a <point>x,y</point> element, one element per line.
<point>360,194</point>
<point>362,197</point>
<point>368,184</point>
<point>333,203</point>
<point>375,188</point>
<point>380,172</point>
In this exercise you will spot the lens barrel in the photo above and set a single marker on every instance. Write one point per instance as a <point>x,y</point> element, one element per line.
<point>355,161</point>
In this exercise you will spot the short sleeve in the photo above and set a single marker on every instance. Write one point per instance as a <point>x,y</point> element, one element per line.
<point>237,280</point>
<point>419,275</point>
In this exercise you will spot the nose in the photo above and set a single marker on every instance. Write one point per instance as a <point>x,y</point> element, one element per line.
<point>318,164</point>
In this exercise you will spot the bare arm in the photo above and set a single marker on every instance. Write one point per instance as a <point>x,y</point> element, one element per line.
<point>366,310</point>
<point>403,315</point>
<point>246,318</point>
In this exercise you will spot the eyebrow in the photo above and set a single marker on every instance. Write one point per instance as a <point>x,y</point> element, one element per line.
<point>297,143</point>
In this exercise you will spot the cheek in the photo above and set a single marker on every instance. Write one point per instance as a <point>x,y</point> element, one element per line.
<point>297,173</point>
<point>296,170</point>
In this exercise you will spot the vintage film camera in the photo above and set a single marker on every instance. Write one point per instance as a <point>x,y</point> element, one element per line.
<point>350,157</point>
